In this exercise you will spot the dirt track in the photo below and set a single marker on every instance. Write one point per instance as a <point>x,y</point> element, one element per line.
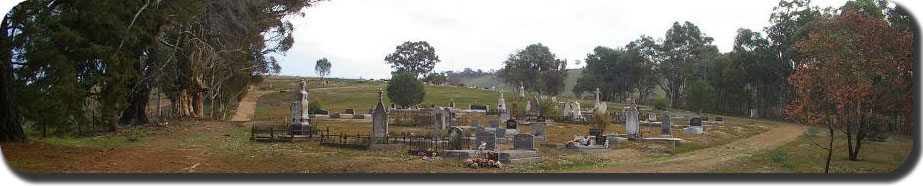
<point>247,105</point>
<point>705,159</point>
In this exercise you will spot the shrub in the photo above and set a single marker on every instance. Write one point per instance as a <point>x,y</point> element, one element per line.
<point>660,104</point>
<point>405,89</point>
<point>701,96</point>
<point>314,105</point>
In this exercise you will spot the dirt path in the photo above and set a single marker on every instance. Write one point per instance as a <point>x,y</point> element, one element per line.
<point>247,105</point>
<point>705,159</point>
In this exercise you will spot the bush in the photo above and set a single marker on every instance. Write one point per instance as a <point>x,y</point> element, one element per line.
<point>314,105</point>
<point>405,89</point>
<point>701,96</point>
<point>660,104</point>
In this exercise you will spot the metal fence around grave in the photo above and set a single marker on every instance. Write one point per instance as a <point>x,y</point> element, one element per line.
<point>411,118</point>
<point>411,142</point>
<point>283,132</point>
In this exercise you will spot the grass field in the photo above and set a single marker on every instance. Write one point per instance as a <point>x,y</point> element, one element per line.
<point>806,155</point>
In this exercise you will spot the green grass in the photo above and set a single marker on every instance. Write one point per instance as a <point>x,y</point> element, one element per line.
<point>803,156</point>
<point>103,141</point>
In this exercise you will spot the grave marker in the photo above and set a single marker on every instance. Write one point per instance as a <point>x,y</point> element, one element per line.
<point>488,137</point>
<point>524,142</point>
<point>380,119</point>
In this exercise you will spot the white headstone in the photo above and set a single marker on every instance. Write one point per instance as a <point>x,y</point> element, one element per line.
<point>501,103</point>
<point>601,106</point>
<point>632,124</point>
<point>522,90</point>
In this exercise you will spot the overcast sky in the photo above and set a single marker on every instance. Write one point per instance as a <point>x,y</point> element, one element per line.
<point>355,35</point>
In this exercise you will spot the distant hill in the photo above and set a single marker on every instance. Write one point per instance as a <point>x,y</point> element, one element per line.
<point>492,81</point>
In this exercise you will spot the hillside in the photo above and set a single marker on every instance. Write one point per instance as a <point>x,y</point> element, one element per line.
<point>491,81</point>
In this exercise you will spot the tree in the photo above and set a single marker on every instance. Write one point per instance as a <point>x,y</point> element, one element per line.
<point>417,58</point>
<point>10,120</point>
<point>605,70</point>
<point>405,89</point>
<point>684,48</point>
<point>640,55</point>
<point>436,78</point>
<point>537,68</point>
<point>856,76</point>
<point>79,63</point>
<point>322,67</point>
<point>701,96</point>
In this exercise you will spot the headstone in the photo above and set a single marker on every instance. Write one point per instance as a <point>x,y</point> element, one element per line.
<point>568,109</point>
<point>511,124</point>
<point>477,107</point>
<point>665,126</point>
<point>501,133</point>
<point>693,130</point>
<point>704,118</point>
<point>488,137</point>
<point>475,123</point>
<point>301,119</point>
<point>501,103</point>
<point>753,113</point>
<point>351,111</point>
<point>596,132</point>
<point>522,91</point>
<point>523,142</point>
<point>494,124</point>
<point>538,128</point>
<point>449,117</point>
<point>321,112</point>
<point>601,106</point>
<point>632,124</point>
<point>380,119</point>
<point>439,119</point>
<point>578,114</point>
<point>504,115</point>
<point>455,138</point>
<point>719,118</point>
<point>652,117</point>
<point>695,121</point>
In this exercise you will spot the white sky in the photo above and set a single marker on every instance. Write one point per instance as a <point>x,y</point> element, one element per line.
<point>355,35</point>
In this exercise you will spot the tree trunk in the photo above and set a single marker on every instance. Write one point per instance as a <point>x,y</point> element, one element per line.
<point>829,151</point>
<point>10,120</point>
<point>136,113</point>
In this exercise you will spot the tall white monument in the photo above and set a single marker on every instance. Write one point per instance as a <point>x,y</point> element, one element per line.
<point>632,123</point>
<point>600,105</point>
<point>501,103</point>
<point>522,91</point>
<point>301,120</point>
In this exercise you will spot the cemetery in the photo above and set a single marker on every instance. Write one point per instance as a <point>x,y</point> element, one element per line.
<point>509,139</point>
<point>199,87</point>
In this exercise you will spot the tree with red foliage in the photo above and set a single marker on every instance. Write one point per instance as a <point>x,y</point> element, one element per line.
<point>856,77</point>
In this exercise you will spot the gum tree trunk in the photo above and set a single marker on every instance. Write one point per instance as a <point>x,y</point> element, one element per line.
<point>10,120</point>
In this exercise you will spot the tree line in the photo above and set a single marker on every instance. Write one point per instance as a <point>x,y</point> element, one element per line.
<point>89,65</point>
<point>847,69</point>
